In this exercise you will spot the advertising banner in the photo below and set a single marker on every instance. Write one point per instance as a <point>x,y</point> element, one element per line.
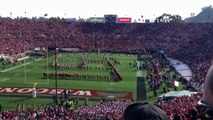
<point>124,20</point>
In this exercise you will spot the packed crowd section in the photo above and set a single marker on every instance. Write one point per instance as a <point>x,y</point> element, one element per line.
<point>189,42</point>
<point>113,110</point>
<point>182,107</point>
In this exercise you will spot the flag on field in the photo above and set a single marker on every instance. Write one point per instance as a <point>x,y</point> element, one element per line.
<point>34,85</point>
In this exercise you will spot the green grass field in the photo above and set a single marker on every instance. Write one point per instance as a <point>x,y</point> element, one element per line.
<point>27,73</point>
<point>30,71</point>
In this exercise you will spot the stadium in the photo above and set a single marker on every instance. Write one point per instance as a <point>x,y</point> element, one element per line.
<point>77,69</point>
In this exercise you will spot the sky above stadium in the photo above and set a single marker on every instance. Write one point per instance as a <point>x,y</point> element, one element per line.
<point>149,9</point>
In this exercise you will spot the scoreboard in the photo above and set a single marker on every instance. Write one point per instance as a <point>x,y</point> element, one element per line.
<point>96,20</point>
<point>110,18</point>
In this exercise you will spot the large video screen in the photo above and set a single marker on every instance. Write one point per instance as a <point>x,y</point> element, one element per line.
<point>110,18</point>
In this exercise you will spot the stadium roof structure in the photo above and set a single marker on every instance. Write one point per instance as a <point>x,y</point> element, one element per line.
<point>175,94</point>
<point>182,68</point>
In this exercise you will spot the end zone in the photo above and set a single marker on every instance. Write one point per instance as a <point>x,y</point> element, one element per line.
<point>74,92</point>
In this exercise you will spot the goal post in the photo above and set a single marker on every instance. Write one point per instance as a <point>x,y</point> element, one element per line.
<point>35,66</point>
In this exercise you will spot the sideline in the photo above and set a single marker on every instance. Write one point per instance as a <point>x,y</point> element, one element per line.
<point>12,68</point>
<point>138,71</point>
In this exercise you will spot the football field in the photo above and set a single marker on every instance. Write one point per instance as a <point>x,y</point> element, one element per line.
<point>85,74</point>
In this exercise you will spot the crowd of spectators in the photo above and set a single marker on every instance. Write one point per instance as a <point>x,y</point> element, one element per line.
<point>189,42</point>
<point>112,110</point>
<point>182,107</point>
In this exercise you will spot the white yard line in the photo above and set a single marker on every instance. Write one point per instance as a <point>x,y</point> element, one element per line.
<point>110,89</point>
<point>5,79</point>
<point>112,83</point>
<point>9,69</point>
<point>28,70</point>
<point>17,74</point>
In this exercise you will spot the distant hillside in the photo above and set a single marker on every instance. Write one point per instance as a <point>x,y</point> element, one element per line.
<point>206,15</point>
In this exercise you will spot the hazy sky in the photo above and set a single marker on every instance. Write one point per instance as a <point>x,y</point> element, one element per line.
<point>90,8</point>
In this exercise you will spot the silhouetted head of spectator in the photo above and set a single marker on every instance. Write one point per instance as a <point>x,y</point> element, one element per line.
<point>144,111</point>
<point>208,88</point>
<point>177,117</point>
<point>193,114</point>
<point>205,105</point>
<point>205,111</point>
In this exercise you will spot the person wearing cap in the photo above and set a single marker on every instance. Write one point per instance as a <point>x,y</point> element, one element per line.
<point>144,111</point>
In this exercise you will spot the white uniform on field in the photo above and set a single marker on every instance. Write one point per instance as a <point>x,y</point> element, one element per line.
<point>34,92</point>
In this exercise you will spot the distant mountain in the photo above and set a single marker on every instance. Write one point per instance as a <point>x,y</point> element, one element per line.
<point>206,15</point>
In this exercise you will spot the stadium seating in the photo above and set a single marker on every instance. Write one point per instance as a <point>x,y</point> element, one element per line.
<point>188,42</point>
